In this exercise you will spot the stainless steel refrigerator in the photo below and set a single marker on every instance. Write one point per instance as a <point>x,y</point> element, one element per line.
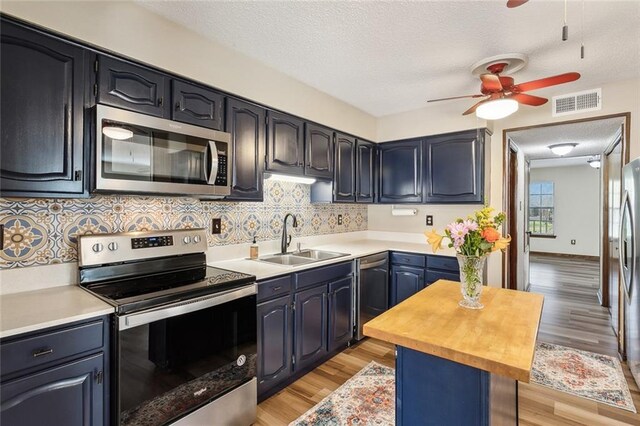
<point>630,262</point>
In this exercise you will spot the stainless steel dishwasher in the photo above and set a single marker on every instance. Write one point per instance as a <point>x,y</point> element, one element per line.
<point>372,290</point>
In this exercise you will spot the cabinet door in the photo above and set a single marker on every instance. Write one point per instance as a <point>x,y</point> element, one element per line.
<point>196,105</point>
<point>246,123</point>
<point>285,144</point>
<point>274,342</point>
<point>405,282</point>
<point>318,151</point>
<point>344,179</point>
<point>340,312</point>
<point>42,86</point>
<point>310,326</point>
<point>365,171</point>
<point>124,85</point>
<point>69,395</point>
<point>400,178</point>
<point>455,168</point>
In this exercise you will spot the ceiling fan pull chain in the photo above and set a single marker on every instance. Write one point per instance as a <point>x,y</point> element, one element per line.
<point>565,28</point>
<point>582,34</point>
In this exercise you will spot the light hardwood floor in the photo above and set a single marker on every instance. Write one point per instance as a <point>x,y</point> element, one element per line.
<point>571,317</point>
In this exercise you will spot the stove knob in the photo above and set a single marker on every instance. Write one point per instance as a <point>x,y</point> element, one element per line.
<point>196,239</point>
<point>97,248</point>
<point>186,239</point>
<point>113,246</point>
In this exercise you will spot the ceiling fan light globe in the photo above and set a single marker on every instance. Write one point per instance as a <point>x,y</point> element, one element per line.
<point>497,109</point>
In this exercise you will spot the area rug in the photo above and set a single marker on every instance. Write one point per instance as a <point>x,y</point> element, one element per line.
<point>368,398</point>
<point>586,374</point>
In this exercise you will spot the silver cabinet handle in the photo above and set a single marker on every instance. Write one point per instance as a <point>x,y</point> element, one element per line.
<point>42,352</point>
<point>372,265</point>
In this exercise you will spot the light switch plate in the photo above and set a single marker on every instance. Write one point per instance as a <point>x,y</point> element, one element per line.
<point>573,242</point>
<point>216,226</point>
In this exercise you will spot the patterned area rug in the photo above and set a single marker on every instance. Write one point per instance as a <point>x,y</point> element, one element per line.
<point>368,398</point>
<point>586,374</point>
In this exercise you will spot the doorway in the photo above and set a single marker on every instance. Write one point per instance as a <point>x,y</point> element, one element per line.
<point>561,206</point>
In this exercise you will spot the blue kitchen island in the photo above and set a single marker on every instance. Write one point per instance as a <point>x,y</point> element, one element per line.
<point>457,366</point>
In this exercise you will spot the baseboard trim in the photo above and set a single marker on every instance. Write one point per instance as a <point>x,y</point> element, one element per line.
<point>565,255</point>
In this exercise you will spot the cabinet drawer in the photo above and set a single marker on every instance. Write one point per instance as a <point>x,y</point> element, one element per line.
<point>52,346</point>
<point>408,259</point>
<point>433,276</point>
<point>274,287</point>
<point>320,275</point>
<point>443,262</point>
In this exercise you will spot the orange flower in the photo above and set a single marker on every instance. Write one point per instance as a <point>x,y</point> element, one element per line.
<point>491,234</point>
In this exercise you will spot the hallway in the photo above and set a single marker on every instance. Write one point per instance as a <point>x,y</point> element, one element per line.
<point>572,314</point>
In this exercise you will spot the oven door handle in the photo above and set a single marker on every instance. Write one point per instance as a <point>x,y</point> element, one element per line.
<point>184,307</point>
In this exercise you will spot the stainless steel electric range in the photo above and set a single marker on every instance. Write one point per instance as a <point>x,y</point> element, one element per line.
<point>184,334</point>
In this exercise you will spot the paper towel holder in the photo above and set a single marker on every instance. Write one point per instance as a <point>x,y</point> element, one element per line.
<point>403,211</point>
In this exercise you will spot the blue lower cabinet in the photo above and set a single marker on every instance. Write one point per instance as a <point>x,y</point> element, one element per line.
<point>274,342</point>
<point>433,391</point>
<point>310,326</point>
<point>405,282</point>
<point>340,313</point>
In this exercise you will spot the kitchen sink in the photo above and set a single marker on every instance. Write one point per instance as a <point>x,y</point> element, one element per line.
<point>318,255</point>
<point>302,257</point>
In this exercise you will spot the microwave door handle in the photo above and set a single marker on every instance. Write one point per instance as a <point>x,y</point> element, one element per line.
<point>211,155</point>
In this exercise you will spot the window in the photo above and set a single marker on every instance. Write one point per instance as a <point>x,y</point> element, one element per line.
<point>541,208</point>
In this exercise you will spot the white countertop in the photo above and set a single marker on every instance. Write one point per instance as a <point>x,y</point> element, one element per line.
<point>355,249</point>
<point>26,311</point>
<point>34,310</point>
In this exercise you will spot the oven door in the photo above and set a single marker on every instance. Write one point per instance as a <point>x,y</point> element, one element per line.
<point>140,153</point>
<point>172,360</point>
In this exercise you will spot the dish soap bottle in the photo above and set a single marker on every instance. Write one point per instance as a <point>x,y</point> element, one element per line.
<point>253,250</point>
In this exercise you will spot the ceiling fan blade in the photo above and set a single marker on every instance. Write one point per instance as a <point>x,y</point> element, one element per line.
<point>473,108</point>
<point>491,82</point>
<point>546,82</point>
<point>515,3</point>
<point>525,99</point>
<point>455,97</point>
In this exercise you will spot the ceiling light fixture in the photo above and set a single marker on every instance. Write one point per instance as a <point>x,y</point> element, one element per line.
<point>289,178</point>
<point>562,149</point>
<point>497,109</point>
<point>594,162</point>
<point>118,133</point>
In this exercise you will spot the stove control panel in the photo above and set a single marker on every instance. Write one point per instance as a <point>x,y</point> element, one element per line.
<point>101,249</point>
<point>146,242</point>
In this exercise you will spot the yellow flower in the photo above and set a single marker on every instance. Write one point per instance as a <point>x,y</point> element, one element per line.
<point>502,243</point>
<point>434,239</point>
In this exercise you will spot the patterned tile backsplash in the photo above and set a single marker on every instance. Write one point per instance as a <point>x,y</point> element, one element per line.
<point>44,231</point>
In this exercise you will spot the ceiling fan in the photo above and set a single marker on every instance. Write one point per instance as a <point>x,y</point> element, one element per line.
<point>497,87</point>
<point>515,3</point>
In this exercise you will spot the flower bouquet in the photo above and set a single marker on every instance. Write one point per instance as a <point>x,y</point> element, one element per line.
<point>473,239</point>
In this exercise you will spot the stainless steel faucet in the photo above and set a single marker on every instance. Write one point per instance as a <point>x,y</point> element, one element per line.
<point>286,239</point>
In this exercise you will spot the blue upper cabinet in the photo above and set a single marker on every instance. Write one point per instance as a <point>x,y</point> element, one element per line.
<point>454,168</point>
<point>196,105</point>
<point>365,171</point>
<point>247,124</point>
<point>124,85</point>
<point>285,144</point>
<point>400,172</point>
<point>42,86</point>
<point>318,151</point>
<point>344,185</point>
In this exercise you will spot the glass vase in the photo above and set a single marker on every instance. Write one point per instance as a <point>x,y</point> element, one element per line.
<point>471,272</point>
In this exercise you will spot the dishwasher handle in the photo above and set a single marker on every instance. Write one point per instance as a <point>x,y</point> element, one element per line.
<point>372,265</point>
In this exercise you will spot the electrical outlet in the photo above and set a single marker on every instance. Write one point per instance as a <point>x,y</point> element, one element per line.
<point>216,226</point>
<point>339,219</point>
<point>573,242</point>
<point>429,220</point>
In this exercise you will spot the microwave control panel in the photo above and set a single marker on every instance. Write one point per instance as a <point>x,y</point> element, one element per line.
<point>221,177</point>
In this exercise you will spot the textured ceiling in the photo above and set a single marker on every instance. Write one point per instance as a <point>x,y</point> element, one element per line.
<point>592,138</point>
<point>386,57</point>
<point>561,162</point>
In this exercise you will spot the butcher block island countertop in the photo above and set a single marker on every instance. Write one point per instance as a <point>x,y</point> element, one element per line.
<point>499,339</point>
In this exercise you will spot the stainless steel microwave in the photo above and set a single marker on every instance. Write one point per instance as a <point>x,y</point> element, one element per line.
<point>137,153</point>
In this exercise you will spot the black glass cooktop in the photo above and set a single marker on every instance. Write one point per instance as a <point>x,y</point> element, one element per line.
<point>138,292</point>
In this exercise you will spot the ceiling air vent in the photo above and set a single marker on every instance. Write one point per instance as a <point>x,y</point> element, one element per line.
<point>574,103</point>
